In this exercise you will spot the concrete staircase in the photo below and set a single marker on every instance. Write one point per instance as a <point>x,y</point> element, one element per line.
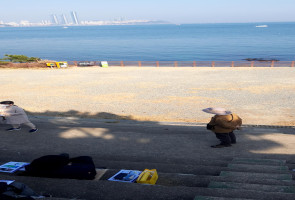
<point>209,179</point>
<point>256,176</point>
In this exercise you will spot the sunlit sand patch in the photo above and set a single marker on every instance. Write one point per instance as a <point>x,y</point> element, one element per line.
<point>168,117</point>
<point>163,117</point>
<point>281,150</point>
<point>273,143</point>
<point>150,85</point>
<point>180,100</point>
<point>268,88</point>
<point>144,140</point>
<point>255,137</point>
<point>196,90</point>
<point>46,92</point>
<point>125,97</point>
<point>285,123</point>
<point>259,89</point>
<point>86,132</point>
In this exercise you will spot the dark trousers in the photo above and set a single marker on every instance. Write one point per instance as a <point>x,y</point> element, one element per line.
<point>226,138</point>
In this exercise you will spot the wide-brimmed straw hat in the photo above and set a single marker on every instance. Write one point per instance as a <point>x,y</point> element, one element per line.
<point>217,111</point>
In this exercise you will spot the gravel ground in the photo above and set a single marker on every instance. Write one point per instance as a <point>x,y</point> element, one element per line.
<point>262,96</point>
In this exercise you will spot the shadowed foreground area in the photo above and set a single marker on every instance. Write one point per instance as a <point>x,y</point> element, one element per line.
<point>171,148</point>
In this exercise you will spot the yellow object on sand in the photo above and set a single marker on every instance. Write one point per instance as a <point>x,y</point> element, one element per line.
<point>51,64</point>
<point>148,176</point>
<point>57,64</point>
<point>61,64</point>
<point>104,64</point>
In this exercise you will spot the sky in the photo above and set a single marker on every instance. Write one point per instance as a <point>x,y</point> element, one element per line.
<point>174,11</point>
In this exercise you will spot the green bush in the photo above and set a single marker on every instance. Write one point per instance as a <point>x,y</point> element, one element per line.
<point>20,58</point>
<point>3,62</point>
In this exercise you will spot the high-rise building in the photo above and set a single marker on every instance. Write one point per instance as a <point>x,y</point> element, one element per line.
<point>74,17</point>
<point>55,21</point>
<point>65,21</point>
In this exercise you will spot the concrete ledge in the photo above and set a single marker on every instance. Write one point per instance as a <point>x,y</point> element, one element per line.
<point>255,187</point>
<point>257,175</point>
<point>216,198</point>
<point>259,161</point>
<point>258,168</point>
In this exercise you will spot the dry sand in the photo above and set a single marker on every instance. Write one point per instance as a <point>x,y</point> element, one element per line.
<point>262,96</point>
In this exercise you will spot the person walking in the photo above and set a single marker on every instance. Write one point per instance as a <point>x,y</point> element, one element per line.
<point>15,116</point>
<point>223,125</point>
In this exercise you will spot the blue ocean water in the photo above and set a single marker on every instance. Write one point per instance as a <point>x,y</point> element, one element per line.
<point>200,42</point>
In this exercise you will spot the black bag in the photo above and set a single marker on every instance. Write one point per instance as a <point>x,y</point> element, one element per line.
<point>49,162</point>
<point>79,168</point>
<point>59,166</point>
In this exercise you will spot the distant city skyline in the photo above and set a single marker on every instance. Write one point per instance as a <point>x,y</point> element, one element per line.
<point>174,11</point>
<point>62,20</point>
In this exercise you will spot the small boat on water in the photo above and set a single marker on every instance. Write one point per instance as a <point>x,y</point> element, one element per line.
<point>261,26</point>
<point>65,27</point>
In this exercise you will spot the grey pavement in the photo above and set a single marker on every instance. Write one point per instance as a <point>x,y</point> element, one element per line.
<point>180,152</point>
<point>137,140</point>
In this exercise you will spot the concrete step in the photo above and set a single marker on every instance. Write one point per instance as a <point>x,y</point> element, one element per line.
<point>256,187</point>
<point>191,180</point>
<point>110,190</point>
<point>251,180</point>
<point>201,161</point>
<point>171,179</point>
<point>216,198</point>
<point>258,168</point>
<point>257,175</point>
<point>252,161</point>
<point>107,160</point>
<point>211,168</point>
<point>196,169</point>
<point>56,198</point>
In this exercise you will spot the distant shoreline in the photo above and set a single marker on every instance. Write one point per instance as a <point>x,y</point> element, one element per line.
<point>252,63</point>
<point>90,23</point>
<point>106,23</point>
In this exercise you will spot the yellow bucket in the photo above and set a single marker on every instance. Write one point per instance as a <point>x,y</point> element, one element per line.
<point>50,65</point>
<point>148,176</point>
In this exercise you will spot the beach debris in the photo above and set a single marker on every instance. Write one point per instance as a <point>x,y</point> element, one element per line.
<point>261,59</point>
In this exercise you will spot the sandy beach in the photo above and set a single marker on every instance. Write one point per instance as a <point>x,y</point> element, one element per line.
<point>263,96</point>
<point>160,101</point>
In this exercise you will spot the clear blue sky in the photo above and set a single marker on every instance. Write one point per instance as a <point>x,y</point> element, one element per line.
<point>175,11</point>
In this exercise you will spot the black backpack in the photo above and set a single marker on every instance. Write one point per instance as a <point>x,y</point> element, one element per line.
<point>61,166</point>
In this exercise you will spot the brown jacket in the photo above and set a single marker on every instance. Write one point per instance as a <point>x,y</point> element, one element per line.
<point>225,123</point>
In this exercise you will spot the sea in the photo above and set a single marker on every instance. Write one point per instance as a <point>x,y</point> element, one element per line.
<point>165,42</point>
